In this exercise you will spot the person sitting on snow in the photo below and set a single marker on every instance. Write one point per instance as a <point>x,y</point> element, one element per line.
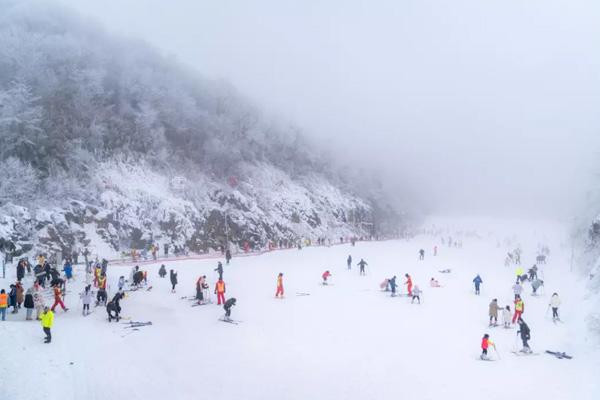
<point>434,283</point>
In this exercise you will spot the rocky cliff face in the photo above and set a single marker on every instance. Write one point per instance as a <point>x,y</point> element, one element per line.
<point>138,207</point>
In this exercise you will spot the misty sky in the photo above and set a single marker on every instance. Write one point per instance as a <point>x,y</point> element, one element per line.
<point>465,106</point>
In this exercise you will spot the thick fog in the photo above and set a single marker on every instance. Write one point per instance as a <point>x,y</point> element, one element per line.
<point>462,106</point>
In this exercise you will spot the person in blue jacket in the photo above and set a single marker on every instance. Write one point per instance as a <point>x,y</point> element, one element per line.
<point>392,284</point>
<point>68,269</point>
<point>477,281</point>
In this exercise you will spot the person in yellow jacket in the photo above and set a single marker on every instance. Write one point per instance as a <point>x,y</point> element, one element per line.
<point>47,318</point>
<point>519,272</point>
<point>3,304</point>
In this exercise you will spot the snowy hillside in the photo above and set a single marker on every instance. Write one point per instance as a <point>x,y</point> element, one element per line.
<point>348,340</point>
<point>109,145</point>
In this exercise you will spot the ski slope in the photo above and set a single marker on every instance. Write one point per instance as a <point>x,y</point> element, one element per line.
<point>348,340</point>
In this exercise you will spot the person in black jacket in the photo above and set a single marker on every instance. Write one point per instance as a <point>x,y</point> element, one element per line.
<point>227,256</point>
<point>173,276</point>
<point>29,303</point>
<point>227,307</point>
<point>162,272</point>
<point>20,270</point>
<point>525,335</point>
<point>12,299</point>
<point>114,306</point>
<point>219,269</point>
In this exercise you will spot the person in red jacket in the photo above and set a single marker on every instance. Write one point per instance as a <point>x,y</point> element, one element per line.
<point>279,285</point>
<point>326,275</point>
<point>408,284</point>
<point>57,299</point>
<point>485,344</point>
<point>220,291</point>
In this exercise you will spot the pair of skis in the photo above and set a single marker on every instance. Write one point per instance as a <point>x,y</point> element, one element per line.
<point>230,321</point>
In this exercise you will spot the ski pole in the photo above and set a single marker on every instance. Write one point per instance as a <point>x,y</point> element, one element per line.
<point>498,354</point>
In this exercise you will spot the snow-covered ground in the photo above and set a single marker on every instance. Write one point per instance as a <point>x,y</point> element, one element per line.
<point>348,340</point>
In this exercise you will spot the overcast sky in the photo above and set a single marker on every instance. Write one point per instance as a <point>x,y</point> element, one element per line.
<point>469,105</point>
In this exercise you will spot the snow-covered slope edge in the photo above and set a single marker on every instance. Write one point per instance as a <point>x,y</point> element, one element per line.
<point>138,206</point>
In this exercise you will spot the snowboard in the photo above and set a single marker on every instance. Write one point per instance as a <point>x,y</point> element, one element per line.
<point>302,294</point>
<point>199,304</point>
<point>486,359</point>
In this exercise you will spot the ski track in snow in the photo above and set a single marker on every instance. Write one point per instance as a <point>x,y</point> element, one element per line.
<point>345,341</point>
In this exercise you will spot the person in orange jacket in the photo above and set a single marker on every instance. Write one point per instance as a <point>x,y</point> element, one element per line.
<point>485,344</point>
<point>3,304</point>
<point>279,285</point>
<point>326,275</point>
<point>58,300</point>
<point>220,291</point>
<point>408,284</point>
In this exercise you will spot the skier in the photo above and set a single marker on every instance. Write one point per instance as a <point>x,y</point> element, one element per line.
<point>519,272</point>
<point>227,256</point>
<point>555,303</point>
<point>517,289</point>
<point>416,294</point>
<point>434,283</point>
<point>535,285</point>
<point>121,283</point>
<point>162,271</point>
<point>533,272</point>
<point>525,335</point>
<point>485,344</point>
<point>57,299</point>
<point>392,283</point>
<point>29,305</point>
<point>519,309</point>
<point>20,271</point>
<point>362,264</point>
<point>20,294</point>
<point>434,251</point>
<point>506,314</point>
<point>219,270</point>
<point>220,291</point>
<point>114,306</point>
<point>349,262</point>
<point>493,312</point>
<point>101,296</point>
<point>421,254</point>
<point>173,276</point>
<point>166,248</point>
<point>68,270</point>
<point>134,270</point>
<point>86,297</point>
<point>477,281</point>
<point>38,300</point>
<point>279,291</point>
<point>325,275</point>
<point>47,318</point>
<point>12,299</point>
<point>3,304</point>
<point>227,307</point>
<point>200,286</point>
<point>408,284</point>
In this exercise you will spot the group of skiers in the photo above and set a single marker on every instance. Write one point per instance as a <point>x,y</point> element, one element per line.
<point>511,318</point>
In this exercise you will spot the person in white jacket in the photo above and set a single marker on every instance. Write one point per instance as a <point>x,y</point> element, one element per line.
<point>87,296</point>
<point>38,300</point>
<point>506,316</point>
<point>517,289</point>
<point>555,303</point>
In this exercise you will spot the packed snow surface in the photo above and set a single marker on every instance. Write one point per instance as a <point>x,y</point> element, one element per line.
<point>347,340</point>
